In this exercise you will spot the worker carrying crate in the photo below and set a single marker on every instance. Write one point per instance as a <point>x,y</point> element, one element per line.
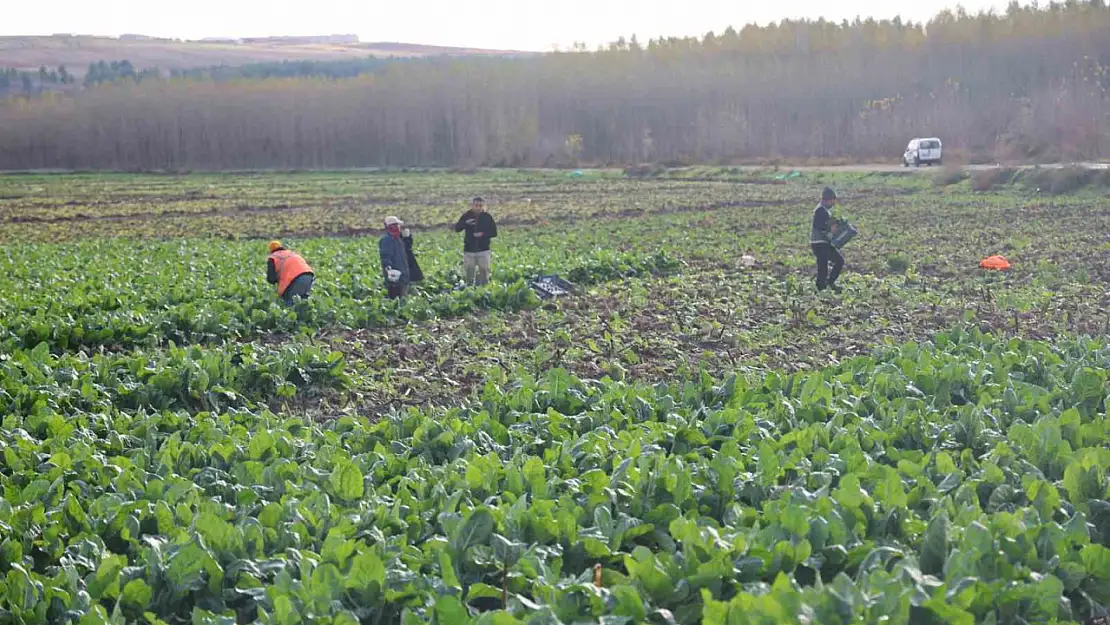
<point>827,235</point>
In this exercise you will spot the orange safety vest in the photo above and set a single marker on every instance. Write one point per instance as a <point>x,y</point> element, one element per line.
<point>288,265</point>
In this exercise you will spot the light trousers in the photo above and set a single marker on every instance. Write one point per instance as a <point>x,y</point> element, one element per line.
<point>477,267</point>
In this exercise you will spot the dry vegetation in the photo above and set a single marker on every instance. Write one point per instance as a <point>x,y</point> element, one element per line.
<point>1032,85</point>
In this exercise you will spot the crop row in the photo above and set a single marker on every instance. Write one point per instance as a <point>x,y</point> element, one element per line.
<point>962,480</point>
<point>123,292</point>
<point>706,318</point>
<point>75,208</point>
<point>54,208</point>
<point>959,482</point>
<point>129,293</point>
<point>36,382</point>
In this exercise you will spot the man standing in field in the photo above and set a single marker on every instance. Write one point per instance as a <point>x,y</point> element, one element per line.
<point>480,228</point>
<point>819,239</point>
<point>395,263</point>
<point>289,272</point>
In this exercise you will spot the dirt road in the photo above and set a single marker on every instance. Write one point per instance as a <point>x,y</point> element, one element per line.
<point>896,167</point>
<point>857,168</point>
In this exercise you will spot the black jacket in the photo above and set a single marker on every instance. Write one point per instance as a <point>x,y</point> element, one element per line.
<point>415,274</point>
<point>822,222</point>
<point>485,225</point>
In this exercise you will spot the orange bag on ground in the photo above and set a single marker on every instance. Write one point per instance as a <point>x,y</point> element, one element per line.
<point>996,263</point>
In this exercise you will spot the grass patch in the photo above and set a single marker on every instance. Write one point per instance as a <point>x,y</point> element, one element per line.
<point>646,170</point>
<point>1065,180</point>
<point>949,175</point>
<point>989,179</point>
<point>897,263</point>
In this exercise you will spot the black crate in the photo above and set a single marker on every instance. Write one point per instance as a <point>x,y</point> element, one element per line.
<point>551,286</point>
<point>845,232</point>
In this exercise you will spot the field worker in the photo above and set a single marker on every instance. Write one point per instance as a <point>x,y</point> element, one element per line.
<point>480,228</point>
<point>395,263</point>
<point>415,274</point>
<point>289,272</point>
<point>819,240</point>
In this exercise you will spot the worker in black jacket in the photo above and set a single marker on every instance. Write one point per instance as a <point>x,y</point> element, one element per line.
<point>415,274</point>
<point>819,239</point>
<point>480,228</point>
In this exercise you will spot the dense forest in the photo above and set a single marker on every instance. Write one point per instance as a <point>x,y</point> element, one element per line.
<point>1032,83</point>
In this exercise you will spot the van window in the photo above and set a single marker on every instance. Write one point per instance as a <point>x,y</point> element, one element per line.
<point>930,145</point>
<point>912,145</point>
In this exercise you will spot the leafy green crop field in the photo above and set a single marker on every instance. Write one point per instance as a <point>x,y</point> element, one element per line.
<point>690,438</point>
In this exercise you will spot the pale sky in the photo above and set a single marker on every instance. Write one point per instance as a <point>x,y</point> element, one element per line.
<point>515,24</point>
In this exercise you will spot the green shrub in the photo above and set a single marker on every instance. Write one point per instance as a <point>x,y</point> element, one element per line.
<point>1049,275</point>
<point>897,263</point>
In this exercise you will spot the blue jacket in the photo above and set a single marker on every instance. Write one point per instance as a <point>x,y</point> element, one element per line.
<point>394,256</point>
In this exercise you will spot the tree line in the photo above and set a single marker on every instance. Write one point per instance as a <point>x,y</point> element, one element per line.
<point>343,68</point>
<point>1031,83</point>
<point>15,81</point>
<point>103,72</point>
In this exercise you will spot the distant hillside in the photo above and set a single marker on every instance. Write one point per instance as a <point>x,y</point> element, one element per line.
<point>77,52</point>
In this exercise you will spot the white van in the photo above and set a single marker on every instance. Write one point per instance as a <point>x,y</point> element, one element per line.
<point>920,152</point>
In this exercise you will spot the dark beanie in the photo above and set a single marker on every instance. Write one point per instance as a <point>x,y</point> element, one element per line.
<point>828,194</point>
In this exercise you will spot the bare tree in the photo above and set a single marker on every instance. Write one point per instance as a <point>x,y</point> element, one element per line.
<point>1031,83</point>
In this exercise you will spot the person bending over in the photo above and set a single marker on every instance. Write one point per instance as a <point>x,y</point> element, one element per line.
<point>289,271</point>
